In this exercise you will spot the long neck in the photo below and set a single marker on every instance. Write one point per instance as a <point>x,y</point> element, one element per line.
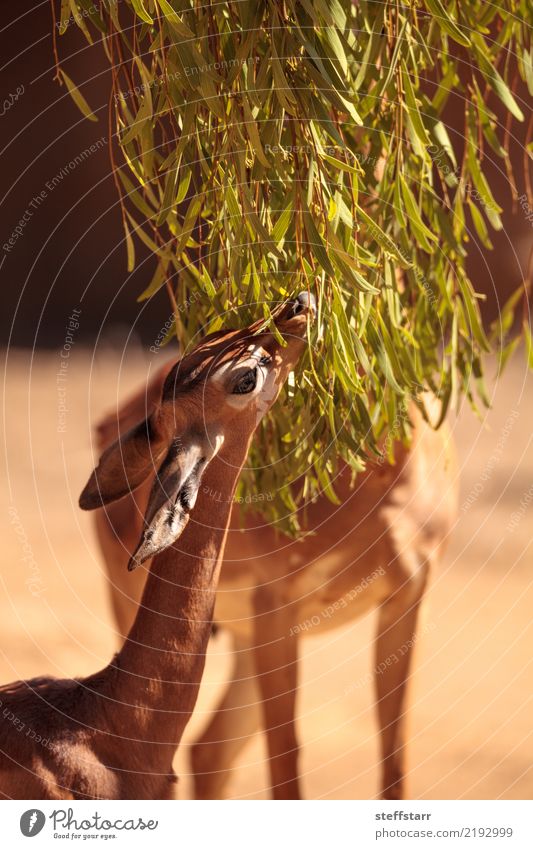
<point>161,663</point>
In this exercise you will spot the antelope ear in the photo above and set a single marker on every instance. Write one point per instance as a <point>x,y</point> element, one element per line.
<point>124,466</point>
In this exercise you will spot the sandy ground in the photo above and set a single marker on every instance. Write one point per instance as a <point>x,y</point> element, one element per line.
<point>471,712</point>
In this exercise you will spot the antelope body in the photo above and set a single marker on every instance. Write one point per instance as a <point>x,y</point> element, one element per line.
<point>374,550</point>
<point>114,734</point>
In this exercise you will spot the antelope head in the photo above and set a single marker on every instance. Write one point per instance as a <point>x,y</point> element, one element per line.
<point>218,391</point>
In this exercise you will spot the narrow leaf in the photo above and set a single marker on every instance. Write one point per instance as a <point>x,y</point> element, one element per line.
<point>78,97</point>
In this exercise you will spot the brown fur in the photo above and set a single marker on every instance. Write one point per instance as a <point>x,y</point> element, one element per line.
<point>395,521</point>
<point>113,735</point>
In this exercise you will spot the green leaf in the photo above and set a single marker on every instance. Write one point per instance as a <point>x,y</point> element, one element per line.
<point>77,97</point>
<point>233,204</point>
<point>398,204</point>
<point>186,230</point>
<point>375,42</point>
<point>529,344</point>
<point>527,65</point>
<point>382,238</point>
<point>253,134</point>
<point>130,248</point>
<point>412,106</point>
<point>269,148</point>
<point>207,283</point>
<point>326,484</point>
<point>506,319</point>
<point>447,23</point>
<point>443,139</point>
<point>423,234</point>
<point>158,279</point>
<point>282,225</point>
<point>342,166</point>
<point>138,7</point>
<point>171,15</point>
<point>79,20</point>
<point>168,197</point>
<point>92,14</point>
<point>496,82</point>
<point>491,208</point>
<point>135,196</point>
<point>282,88</point>
<point>183,185</point>
<point>316,244</point>
<point>335,43</point>
<point>472,310</point>
<point>142,235</point>
<point>506,352</point>
<point>479,224</point>
<point>64,16</point>
<point>144,114</point>
<point>383,359</point>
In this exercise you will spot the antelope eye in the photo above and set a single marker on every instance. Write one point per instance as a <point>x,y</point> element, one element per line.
<point>246,383</point>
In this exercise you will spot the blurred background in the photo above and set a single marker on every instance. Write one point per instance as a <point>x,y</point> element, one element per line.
<point>67,298</point>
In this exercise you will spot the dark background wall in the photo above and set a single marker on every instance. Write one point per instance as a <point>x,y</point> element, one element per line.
<point>71,252</point>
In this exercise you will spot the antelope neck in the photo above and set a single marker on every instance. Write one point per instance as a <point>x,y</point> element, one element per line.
<point>161,663</point>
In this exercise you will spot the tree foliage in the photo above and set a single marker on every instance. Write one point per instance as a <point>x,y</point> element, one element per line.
<point>272,146</point>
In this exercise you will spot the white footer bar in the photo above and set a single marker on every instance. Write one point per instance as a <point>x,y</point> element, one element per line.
<point>269,825</point>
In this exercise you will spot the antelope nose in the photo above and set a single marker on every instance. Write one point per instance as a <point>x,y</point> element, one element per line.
<point>304,302</point>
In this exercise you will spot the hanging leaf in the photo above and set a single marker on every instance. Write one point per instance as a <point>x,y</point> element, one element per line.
<point>267,148</point>
<point>158,280</point>
<point>447,23</point>
<point>529,344</point>
<point>130,248</point>
<point>177,24</point>
<point>140,10</point>
<point>64,16</point>
<point>489,71</point>
<point>77,97</point>
<point>422,233</point>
